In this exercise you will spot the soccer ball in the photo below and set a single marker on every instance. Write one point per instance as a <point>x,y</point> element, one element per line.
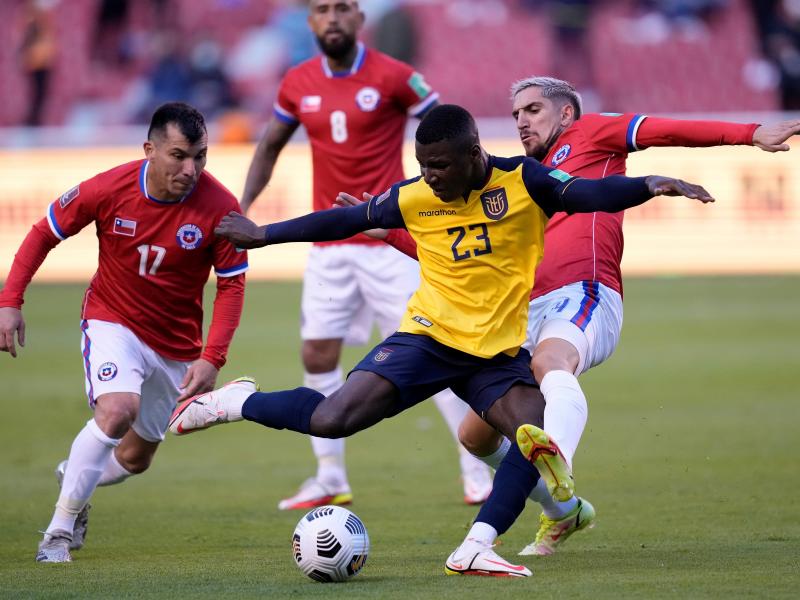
<point>330,544</point>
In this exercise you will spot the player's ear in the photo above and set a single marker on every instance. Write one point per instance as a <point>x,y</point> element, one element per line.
<point>149,149</point>
<point>567,114</point>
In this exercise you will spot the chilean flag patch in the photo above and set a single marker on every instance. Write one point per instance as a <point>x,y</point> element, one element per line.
<point>124,227</point>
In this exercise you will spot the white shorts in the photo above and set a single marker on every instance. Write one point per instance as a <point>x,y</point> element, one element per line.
<point>347,288</point>
<point>587,314</point>
<point>115,360</point>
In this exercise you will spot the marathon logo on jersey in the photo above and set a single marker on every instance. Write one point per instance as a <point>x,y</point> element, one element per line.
<point>310,104</point>
<point>107,371</point>
<point>189,236</point>
<point>69,196</point>
<point>495,203</point>
<point>382,355</point>
<point>422,321</point>
<point>367,99</point>
<point>124,227</point>
<point>561,155</point>
<point>447,212</point>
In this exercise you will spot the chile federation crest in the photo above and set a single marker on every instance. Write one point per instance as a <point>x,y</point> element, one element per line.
<point>189,236</point>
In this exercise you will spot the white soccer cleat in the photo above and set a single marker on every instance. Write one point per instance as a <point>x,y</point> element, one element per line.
<point>82,520</point>
<point>474,557</point>
<point>477,484</point>
<point>54,547</point>
<point>212,408</point>
<point>314,493</point>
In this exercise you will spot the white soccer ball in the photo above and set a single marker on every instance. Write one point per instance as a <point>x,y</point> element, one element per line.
<point>330,544</point>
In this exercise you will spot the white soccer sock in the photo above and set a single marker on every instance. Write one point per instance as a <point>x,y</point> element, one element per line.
<point>453,409</point>
<point>481,532</point>
<point>87,458</point>
<point>565,411</point>
<point>114,472</point>
<point>496,457</point>
<point>329,452</point>
<point>551,507</point>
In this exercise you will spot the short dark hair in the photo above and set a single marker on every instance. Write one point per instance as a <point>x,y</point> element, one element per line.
<point>187,118</point>
<point>447,122</point>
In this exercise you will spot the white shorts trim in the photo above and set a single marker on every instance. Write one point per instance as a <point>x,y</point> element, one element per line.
<point>349,288</point>
<point>586,314</point>
<point>115,360</point>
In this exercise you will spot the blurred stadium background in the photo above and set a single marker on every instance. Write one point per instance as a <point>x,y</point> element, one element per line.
<point>87,73</point>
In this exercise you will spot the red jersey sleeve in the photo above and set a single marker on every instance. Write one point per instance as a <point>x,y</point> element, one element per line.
<point>612,131</point>
<point>74,210</point>
<point>693,134</point>
<point>401,240</point>
<point>225,319</point>
<point>285,107</point>
<point>411,90</point>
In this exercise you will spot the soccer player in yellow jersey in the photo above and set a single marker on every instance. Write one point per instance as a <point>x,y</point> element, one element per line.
<point>478,221</point>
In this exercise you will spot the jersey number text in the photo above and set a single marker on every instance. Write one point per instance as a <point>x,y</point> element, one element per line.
<point>144,254</point>
<point>461,233</point>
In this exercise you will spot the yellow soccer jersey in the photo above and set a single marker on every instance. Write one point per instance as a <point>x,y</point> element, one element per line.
<point>477,255</point>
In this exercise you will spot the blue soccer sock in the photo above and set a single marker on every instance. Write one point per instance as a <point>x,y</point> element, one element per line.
<point>513,481</point>
<point>290,409</point>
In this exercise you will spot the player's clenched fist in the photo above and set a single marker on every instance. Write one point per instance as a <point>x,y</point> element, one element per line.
<point>11,322</point>
<point>241,231</point>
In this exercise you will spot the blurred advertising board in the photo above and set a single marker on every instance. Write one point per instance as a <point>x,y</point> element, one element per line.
<point>754,227</point>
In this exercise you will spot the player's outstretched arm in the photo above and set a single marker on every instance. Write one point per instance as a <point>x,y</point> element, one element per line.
<point>322,226</point>
<point>11,324</point>
<point>667,186</point>
<point>772,138</point>
<point>344,200</point>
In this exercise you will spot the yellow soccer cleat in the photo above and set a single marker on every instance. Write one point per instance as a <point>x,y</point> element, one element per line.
<point>544,454</point>
<point>554,532</point>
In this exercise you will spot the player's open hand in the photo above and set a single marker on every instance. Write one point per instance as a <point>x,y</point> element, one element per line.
<point>241,231</point>
<point>344,200</point>
<point>201,377</point>
<point>772,138</point>
<point>11,323</point>
<point>666,186</point>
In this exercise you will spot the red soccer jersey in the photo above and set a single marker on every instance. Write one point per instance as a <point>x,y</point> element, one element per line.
<point>588,246</point>
<point>154,257</point>
<point>355,121</point>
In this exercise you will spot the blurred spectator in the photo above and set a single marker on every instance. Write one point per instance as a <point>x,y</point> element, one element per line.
<point>289,23</point>
<point>37,53</point>
<point>782,46</point>
<point>210,88</point>
<point>109,41</point>
<point>395,34</point>
<point>170,78</point>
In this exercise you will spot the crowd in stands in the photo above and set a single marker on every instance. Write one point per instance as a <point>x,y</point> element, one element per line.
<point>104,62</point>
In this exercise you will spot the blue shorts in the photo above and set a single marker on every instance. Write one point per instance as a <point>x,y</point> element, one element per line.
<point>419,367</point>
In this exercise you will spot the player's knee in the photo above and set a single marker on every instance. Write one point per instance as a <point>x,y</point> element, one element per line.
<point>320,356</point>
<point>134,462</point>
<point>478,442</point>
<point>552,357</point>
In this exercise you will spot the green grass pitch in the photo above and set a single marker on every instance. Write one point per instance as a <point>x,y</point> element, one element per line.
<point>690,457</point>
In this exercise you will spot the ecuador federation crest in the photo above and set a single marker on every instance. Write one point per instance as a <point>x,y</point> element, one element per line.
<point>382,355</point>
<point>189,236</point>
<point>495,203</point>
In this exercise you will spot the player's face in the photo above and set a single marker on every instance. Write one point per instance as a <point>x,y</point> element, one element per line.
<point>335,25</point>
<point>447,169</point>
<point>175,164</point>
<point>539,120</point>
